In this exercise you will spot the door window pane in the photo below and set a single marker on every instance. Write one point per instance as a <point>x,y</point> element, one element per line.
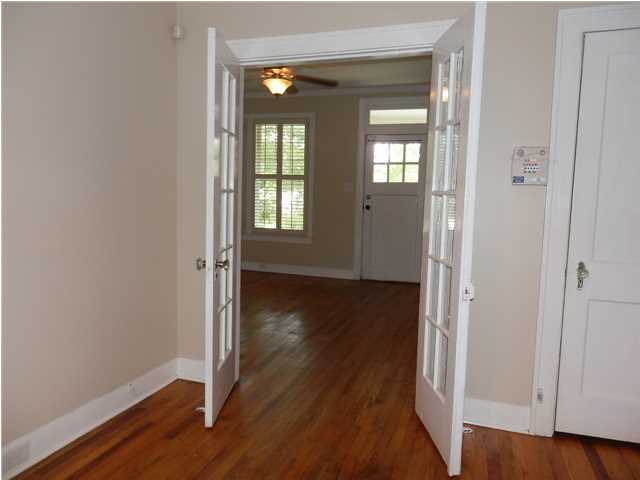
<point>411,173</point>
<point>441,377</point>
<point>433,282</point>
<point>436,225</point>
<point>440,160</point>
<point>450,228</point>
<point>445,308</point>
<point>396,152</point>
<point>430,354</point>
<point>412,152</point>
<point>379,174</point>
<point>395,173</point>
<point>380,153</point>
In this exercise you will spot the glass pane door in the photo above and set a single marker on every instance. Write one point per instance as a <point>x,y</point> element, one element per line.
<point>442,222</point>
<point>225,255</point>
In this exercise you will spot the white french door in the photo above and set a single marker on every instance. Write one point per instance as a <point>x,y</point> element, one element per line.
<point>599,384</point>
<point>446,288</point>
<point>224,114</point>
<point>393,199</point>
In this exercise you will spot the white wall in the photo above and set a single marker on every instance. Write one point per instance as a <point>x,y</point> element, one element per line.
<point>89,203</point>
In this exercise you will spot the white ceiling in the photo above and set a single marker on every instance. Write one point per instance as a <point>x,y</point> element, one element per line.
<point>355,74</point>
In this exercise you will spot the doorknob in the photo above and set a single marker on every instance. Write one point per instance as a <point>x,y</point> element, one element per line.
<point>581,274</point>
<point>222,264</point>
<point>367,207</point>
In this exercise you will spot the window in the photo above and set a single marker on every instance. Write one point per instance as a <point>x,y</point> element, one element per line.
<point>396,162</point>
<point>279,177</point>
<point>398,116</point>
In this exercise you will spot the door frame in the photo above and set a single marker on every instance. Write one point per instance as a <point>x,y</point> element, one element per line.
<point>364,130</point>
<point>572,25</point>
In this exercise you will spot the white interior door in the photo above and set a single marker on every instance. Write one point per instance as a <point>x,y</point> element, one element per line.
<point>446,288</point>
<point>599,384</point>
<point>394,191</point>
<point>224,111</point>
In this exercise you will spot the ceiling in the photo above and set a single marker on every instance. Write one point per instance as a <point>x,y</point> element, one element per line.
<point>414,70</point>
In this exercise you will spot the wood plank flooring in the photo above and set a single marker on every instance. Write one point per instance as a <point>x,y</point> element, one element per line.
<point>326,391</point>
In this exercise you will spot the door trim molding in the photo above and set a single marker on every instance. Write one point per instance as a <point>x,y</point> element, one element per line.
<point>410,38</point>
<point>572,25</point>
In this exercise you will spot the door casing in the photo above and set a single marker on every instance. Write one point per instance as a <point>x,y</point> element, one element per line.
<point>572,25</point>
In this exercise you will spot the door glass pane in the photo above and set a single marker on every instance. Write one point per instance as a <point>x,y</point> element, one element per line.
<point>229,327</point>
<point>436,225</point>
<point>395,173</point>
<point>380,173</point>
<point>453,163</point>
<point>380,152</point>
<point>433,287</point>
<point>411,173</point>
<point>450,228</point>
<point>430,354</point>
<point>441,377</point>
<point>222,334</point>
<point>444,93</point>
<point>231,162</point>
<point>445,308</point>
<point>221,275</point>
<point>441,157</point>
<point>458,89</point>
<point>223,224</point>
<point>412,152</point>
<point>396,152</point>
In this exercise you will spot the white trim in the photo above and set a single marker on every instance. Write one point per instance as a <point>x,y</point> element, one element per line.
<point>341,44</point>
<point>365,129</point>
<point>572,24</point>
<point>275,235</point>
<point>503,416</point>
<point>42,442</point>
<point>190,369</point>
<point>354,91</point>
<point>307,271</point>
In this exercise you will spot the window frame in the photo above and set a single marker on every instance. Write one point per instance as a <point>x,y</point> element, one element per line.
<point>279,235</point>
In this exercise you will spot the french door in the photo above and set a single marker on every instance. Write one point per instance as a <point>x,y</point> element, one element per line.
<point>446,288</point>
<point>224,121</point>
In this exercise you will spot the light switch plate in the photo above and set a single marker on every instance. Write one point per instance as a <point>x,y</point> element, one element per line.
<point>529,165</point>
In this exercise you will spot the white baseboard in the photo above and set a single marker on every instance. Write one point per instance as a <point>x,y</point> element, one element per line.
<point>299,270</point>
<point>189,369</point>
<point>503,416</point>
<point>29,449</point>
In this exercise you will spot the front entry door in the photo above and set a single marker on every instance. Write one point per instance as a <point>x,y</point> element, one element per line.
<point>394,187</point>
<point>446,288</point>
<point>224,111</point>
<point>599,384</point>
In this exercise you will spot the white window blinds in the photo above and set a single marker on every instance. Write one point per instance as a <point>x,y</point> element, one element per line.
<point>280,176</point>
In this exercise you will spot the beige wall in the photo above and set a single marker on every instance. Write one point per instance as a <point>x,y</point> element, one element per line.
<point>335,139</point>
<point>89,203</point>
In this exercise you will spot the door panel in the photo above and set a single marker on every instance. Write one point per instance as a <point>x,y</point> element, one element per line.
<point>598,394</point>
<point>394,185</point>
<point>224,111</point>
<point>447,245</point>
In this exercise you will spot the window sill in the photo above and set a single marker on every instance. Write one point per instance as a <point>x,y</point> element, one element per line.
<point>257,237</point>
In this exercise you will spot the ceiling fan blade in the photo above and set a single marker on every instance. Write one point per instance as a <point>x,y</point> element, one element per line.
<point>319,81</point>
<point>292,90</point>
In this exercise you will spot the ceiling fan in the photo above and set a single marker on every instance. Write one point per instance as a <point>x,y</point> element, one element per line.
<point>279,80</point>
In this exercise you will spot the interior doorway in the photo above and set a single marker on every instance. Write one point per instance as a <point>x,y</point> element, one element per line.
<point>279,189</point>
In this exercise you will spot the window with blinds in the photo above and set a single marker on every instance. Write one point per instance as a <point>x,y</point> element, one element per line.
<point>280,176</point>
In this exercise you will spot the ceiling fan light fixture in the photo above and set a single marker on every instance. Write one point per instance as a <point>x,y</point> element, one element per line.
<point>277,85</point>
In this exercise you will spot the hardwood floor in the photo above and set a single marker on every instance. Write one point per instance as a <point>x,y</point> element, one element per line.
<point>326,391</point>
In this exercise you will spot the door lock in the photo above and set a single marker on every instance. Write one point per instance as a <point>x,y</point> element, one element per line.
<point>222,264</point>
<point>581,274</point>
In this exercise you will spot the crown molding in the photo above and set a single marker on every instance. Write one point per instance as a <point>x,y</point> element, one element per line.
<point>405,39</point>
